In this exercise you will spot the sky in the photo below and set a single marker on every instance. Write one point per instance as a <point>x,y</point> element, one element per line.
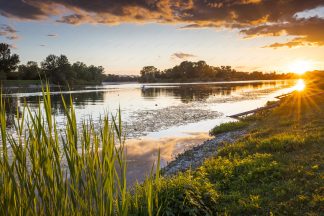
<point>123,36</point>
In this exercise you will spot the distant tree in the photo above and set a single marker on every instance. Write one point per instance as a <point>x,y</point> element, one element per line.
<point>148,74</point>
<point>96,73</point>
<point>8,62</point>
<point>201,71</point>
<point>88,74</point>
<point>30,71</point>
<point>121,78</point>
<point>81,71</point>
<point>58,69</point>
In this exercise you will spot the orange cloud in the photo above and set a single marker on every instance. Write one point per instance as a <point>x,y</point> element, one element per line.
<point>307,31</point>
<point>253,17</point>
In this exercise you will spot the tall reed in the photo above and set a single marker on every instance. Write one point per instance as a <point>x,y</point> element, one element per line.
<point>77,170</point>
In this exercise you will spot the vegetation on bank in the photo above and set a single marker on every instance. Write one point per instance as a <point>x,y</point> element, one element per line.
<point>55,69</point>
<point>120,78</point>
<point>228,126</point>
<point>188,71</point>
<point>77,170</point>
<point>15,83</point>
<point>276,169</point>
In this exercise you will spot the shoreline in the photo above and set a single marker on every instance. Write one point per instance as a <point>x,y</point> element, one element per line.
<point>194,157</point>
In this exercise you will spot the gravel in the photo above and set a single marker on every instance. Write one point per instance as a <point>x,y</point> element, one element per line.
<point>194,157</point>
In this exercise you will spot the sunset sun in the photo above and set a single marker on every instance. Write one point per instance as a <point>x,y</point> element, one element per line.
<point>300,67</point>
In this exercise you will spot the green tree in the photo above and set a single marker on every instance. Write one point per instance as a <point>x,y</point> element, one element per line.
<point>81,71</point>
<point>148,74</point>
<point>30,71</point>
<point>8,61</point>
<point>58,69</point>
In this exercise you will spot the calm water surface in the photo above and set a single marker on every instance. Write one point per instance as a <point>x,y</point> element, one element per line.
<point>172,117</point>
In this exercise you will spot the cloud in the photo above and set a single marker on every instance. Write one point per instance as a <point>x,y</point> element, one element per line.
<point>12,46</point>
<point>252,17</point>
<point>182,55</point>
<point>52,35</point>
<point>8,32</point>
<point>307,31</point>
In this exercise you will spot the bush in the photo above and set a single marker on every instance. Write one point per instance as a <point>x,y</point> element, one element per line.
<point>228,126</point>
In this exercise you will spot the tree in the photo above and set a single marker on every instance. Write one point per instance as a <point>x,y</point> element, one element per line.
<point>81,71</point>
<point>148,74</point>
<point>57,69</point>
<point>8,61</point>
<point>30,71</point>
<point>86,74</point>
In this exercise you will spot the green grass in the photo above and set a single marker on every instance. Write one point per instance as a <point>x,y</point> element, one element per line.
<point>80,170</point>
<point>228,126</point>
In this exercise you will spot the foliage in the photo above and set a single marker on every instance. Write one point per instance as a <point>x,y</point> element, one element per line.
<point>183,194</point>
<point>228,126</point>
<point>89,74</point>
<point>30,71</point>
<point>120,78</point>
<point>8,61</point>
<point>149,74</point>
<point>201,71</point>
<point>55,69</point>
<point>77,171</point>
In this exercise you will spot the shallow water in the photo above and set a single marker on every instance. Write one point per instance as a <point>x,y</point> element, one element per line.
<point>172,117</point>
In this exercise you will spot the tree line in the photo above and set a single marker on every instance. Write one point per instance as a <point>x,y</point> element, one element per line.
<point>55,69</point>
<point>121,78</point>
<point>201,71</point>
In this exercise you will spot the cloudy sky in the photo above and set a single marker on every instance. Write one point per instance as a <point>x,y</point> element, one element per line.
<point>125,35</point>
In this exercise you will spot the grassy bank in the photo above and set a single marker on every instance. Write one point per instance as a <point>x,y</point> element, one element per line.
<point>276,169</point>
<point>19,83</point>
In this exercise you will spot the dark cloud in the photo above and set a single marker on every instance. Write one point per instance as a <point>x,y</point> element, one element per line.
<point>52,35</point>
<point>8,32</point>
<point>182,55</point>
<point>246,15</point>
<point>22,9</point>
<point>308,31</point>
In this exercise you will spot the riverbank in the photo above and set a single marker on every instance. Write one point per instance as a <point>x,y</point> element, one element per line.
<point>274,165</point>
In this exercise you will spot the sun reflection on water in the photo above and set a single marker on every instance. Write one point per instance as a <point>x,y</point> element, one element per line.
<point>300,85</point>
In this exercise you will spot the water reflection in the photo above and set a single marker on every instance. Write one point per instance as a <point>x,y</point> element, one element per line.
<point>188,93</point>
<point>96,100</point>
<point>300,85</point>
<point>141,154</point>
<point>159,100</point>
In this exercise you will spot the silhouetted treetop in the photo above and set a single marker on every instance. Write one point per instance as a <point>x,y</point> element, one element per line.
<point>188,71</point>
<point>8,62</point>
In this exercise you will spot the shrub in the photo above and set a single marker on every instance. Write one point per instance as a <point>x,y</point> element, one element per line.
<point>229,126</point>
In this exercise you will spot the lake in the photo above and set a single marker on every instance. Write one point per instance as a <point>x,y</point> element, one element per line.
<point>171,117</point>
